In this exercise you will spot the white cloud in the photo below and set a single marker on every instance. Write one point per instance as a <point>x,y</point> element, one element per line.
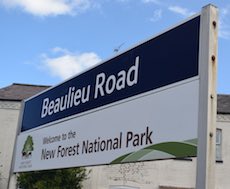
<point>49,7</point>
<point>224,34</point>
<point>224,23</point>
<point>65,64</point>
<point>225,11</point>
<point>157,15</point>
<point>123,1</point>
<point>152,1</point>
<point>181,11</point>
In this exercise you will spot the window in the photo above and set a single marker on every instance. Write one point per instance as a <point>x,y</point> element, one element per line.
<point>172,187</point>
<point>122,187</point>
<point>218,145</point>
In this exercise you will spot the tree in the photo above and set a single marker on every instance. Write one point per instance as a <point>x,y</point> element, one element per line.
<point>53,179</point>
<point>28,146</point>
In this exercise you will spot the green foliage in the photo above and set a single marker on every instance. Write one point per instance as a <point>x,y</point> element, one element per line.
<point>28,146</point>
<point>54,179</point>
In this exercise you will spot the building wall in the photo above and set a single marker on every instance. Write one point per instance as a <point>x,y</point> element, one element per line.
<point>223,168</point>
<point>173,174</point>
<point>147,175</point>
<point>9,113</point>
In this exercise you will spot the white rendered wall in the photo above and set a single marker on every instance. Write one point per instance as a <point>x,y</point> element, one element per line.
<point>223,169</point>
<point>9,112</point>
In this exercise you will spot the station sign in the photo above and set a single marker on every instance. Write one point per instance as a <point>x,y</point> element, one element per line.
<point>139,105</point>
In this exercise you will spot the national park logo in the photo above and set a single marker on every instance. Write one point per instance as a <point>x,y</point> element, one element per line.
<point>28,148</point>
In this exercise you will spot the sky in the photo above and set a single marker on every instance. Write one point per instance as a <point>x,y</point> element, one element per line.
<point>44,42</point>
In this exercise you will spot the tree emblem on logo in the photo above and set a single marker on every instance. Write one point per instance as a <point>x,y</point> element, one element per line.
<point>28,147</point>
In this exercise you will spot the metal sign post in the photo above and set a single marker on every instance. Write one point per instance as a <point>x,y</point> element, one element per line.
<point>207,105</point>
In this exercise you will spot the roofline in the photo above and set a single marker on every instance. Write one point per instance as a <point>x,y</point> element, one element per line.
<point>223,113</point>
<point>218,94</point>
<point>31,85</point>
<point>6,99</point>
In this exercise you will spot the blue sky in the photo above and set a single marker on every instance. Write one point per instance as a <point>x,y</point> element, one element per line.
<point>46,41</point>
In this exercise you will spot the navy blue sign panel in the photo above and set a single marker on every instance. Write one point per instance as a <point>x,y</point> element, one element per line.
<point>163,60</point>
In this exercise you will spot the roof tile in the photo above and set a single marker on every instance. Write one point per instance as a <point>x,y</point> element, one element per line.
<point>18,92</point>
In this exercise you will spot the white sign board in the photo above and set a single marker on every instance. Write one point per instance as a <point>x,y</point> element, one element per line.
<point>107,135</point>
<point>140,105</point>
